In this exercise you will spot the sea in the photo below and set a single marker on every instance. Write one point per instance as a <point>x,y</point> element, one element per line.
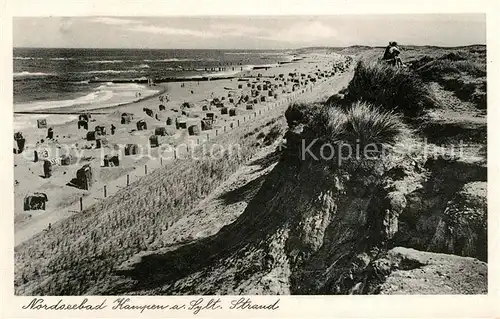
<point>51,80</point>
<point>45,79</point>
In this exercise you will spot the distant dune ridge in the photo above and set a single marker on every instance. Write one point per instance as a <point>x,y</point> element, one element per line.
<point>409,217</point>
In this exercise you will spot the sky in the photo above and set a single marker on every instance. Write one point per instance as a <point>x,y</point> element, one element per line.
<point>248,32</point>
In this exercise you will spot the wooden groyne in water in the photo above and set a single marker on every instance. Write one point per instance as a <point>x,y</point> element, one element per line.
<point>187,78</point>
<point>164,80</point>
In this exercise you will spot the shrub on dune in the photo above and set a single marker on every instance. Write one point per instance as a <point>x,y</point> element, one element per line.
<point>417,63</point>
<point>300,113</point>
<point>361,124</point>
<point>393,89</point>
<point>455,56</point>
<point>460,72</point>
<point>436,70</point>
<point>481,50</point>
<point>337,100</point>
<point>328,124</point>
<point>366,124</point>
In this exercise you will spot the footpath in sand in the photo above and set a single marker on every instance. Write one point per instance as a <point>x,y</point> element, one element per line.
<point>65,201</point>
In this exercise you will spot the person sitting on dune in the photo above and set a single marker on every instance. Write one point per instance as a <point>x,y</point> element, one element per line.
<point>391,54</point>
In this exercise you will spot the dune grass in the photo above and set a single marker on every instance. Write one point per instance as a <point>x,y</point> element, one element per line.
<point>389,88</point>
<point>300,113</point>
<point>352,135</point>
<point>458,55</point>
<point>439,68</point>
<point>78,255</point>
<point>328,124</point>
<point>369,125</point>
<point>360,123</point>
<point>460,71</point>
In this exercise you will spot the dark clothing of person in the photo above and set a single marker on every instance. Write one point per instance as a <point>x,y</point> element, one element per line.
<point>387,53</point>
<point>391,55</point>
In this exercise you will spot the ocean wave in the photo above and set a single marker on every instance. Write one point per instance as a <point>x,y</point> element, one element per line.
<point>126,87</point>
<point>118,86</point>
<point>166,60</point>
<point>104,86</point>
<point>221,73</point>
<point>109,71</point>
<point>81,82</point>
<point>30,74</point>
<point>61,59</point>
<point>26,58</point>
<point>178,60</point>
<point>254,53</point>
<point>106,61</point>
<point>144,66</point>
<point>93,97</point>
<point>107,94</point>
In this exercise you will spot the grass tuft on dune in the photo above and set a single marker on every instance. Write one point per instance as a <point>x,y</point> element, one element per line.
<point>358,126</point>
<point>369,125</point>
<point>361,123</point>
<point>393,89</point>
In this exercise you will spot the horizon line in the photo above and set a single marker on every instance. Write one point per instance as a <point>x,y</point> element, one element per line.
<point>261,49</point>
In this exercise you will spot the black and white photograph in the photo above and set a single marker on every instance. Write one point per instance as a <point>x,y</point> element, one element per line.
<point>249,155</point>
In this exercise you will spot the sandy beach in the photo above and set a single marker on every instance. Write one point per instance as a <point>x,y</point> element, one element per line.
<point>68,139</point>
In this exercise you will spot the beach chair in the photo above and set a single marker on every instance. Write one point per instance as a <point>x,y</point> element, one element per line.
<point>47,168</point>
<point>126,118</point>
<point>141,125</point>
<point>160,131</point>
<point>206,124</point>
<point>131,149</point>
<point>84,124</point>
<point>84,177</point>
<point>111,161</point>
<point>194,130</point>
<point>153,141</point>
<point>91,136</point>
<point>35,201</point>
<point>41,123</point>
